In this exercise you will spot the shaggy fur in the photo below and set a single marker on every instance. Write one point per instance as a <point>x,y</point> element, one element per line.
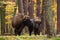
<point>20,21</point>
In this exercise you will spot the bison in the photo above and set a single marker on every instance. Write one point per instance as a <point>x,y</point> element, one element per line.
<point>19,21</point>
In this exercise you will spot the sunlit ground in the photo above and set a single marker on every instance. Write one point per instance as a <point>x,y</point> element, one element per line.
<point>27,37</point>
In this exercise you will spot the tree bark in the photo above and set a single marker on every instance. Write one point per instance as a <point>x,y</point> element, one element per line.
<point>25,6</point>
<point>20,6</point>
<point>2,11</point>
<point>38,8</point>
<point>58,16</point>
<point>31,8</point>
<point>49,16</point>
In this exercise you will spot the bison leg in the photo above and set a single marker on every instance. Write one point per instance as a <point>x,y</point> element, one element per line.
<point>30,30</point>
<point>16,31</point>
<point>38,32</point>
<point>20,29</point>
<point>35,31</point>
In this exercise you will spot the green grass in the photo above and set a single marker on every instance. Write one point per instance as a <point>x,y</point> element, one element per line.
<point>2,38</point>
<point>57,38</point>
<point>27,38</point>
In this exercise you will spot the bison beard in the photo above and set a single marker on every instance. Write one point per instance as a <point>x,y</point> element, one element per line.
<point>19,22</point>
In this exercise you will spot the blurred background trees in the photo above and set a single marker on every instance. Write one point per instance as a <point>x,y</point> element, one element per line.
<point>46,9</point>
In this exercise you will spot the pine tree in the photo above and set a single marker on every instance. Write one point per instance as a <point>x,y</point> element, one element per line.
<point>31,8</point>
<point>47,11</point>
<point>2,13</point>
<point>38,8</point>
<point>20,6</point>
<point>58,16</point>
<point>25,6</point>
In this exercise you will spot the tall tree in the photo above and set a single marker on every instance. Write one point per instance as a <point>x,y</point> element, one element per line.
<point>25,6</point>
<point>2,11</point>
<point>58,16</point>
<point>38,8</point>
<point>31,8</point>
<point>43,16</point>
<point>20,6</point>
<point>47,11</point>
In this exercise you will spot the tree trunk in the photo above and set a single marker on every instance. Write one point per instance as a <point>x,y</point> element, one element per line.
<point>49,16</point>
<point>20,6</point>
<point>43,17</point>
<point>58,16</point>
<point>31,8</point>
<point>25,6</point>
<point>2,11</point>
<point>38,8</point>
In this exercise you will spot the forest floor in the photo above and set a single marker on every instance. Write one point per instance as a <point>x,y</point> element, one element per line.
<point>27,37</point>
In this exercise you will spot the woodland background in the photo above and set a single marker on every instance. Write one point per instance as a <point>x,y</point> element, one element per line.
<point>46,8</point>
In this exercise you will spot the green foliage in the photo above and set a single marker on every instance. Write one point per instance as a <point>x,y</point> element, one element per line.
<point>58,38</point>
<point>2,39</point>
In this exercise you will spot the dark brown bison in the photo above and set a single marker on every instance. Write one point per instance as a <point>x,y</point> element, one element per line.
<point>19,22</point>
<point>37,26</point>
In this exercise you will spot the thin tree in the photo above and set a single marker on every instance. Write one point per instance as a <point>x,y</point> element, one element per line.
<point>2,13</point>
<point>43,17</point>
<point>38,8</point>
